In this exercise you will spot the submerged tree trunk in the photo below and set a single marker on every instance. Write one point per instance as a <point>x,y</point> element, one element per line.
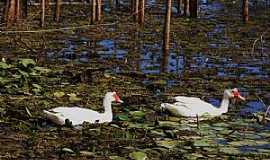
<point>245,11</point>
<point>166,37</point>
<point>193,8</point>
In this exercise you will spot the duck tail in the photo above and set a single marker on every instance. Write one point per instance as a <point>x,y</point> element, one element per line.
<point>53,117</point>
<point>162,106</point>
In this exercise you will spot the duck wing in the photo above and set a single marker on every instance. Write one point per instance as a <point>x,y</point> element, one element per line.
<point>194,106</point>
<point>76,115</point>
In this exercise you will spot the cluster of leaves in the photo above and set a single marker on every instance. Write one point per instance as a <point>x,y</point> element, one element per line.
<point>21,76</point>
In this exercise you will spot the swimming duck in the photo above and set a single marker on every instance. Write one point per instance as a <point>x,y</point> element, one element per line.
<point>192,106</point>
<point>78,115</point>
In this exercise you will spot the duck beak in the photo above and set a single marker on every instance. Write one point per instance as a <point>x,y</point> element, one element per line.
<point>241,98</point>
<point>120,101</point>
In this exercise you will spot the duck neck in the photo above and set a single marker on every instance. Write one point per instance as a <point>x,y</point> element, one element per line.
<point>224,104</point>
<point>107,115</point>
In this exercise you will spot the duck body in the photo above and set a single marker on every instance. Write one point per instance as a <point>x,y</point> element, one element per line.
<point>78,115</point>
<point>192,106</point>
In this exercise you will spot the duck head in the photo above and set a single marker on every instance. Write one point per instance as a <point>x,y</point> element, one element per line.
<point>114,97</point>
<point>234,93</point>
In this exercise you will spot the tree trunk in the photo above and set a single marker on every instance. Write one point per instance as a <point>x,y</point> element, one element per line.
<point>141,12</point>
<point>193,8</point>
<point>10,12</point>
<point>135,10</point>
<point>186,7</point>
<point>179,4</point>
<point>98,10</point>
<point>42,18</point>
<point>245,11</point>
<point>57,10</point>
<point>166,37</point>
<point>24,8</point>
<point>93,11</point>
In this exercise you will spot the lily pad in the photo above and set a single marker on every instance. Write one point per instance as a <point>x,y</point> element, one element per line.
<point>27,62</point>
<point>138,155</point>
<point>73,97</point>
<point>58,94</point>
<point>167,143</point>
<point>230,150</point>
<point>137,114</point>
<point>117,158</point>
<point>122,117</point>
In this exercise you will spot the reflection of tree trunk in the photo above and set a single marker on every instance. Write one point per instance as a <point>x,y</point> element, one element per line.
<point>166,37</point>
<point>245,11</point>
<point>193,8</point>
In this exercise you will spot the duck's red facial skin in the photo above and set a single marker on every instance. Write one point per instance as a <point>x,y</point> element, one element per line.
<point>117,98</point>
<point>236,94</point>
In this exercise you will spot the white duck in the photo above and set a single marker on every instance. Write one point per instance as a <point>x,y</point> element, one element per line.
<point>192,106</point>
<point>78,115</point>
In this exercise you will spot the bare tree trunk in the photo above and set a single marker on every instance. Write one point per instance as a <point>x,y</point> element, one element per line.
<point>93,11</point>
<point>193,8</point>
<point>57,10</point>
<point>141,12</point>
<point>135,10</point>
<point>24,8</point>
<point>10,12</point>
<point>42,18</point>
<point>245,11</point>
<point>186,7</point>
<point>18,10</point>
<point>116,3</point>
<point>166,37</point>
<point>98,10</point>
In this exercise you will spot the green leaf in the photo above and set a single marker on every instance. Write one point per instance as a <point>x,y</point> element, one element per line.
<point>27,62</point>
<point>137,155</point>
